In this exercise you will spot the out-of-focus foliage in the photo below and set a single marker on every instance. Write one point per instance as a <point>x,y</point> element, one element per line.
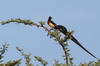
<point>43,62</point>
<point>3,50</point>
<point>26,57</point>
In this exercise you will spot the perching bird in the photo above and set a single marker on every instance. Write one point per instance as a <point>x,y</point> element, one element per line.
<point>64,31</point>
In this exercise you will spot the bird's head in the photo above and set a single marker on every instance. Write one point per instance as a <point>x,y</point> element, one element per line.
<point>49,18</point>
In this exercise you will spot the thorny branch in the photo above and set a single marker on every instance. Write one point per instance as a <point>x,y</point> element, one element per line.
<point>31,23</point>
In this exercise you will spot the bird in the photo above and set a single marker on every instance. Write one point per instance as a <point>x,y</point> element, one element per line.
<point>65,32</point>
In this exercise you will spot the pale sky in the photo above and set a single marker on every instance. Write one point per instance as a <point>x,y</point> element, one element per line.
<point>82,16</point>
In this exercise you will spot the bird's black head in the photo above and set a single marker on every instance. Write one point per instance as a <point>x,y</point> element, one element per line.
<point>50,17</point>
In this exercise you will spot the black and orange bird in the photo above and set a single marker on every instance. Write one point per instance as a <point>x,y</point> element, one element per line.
<point>64,31</point>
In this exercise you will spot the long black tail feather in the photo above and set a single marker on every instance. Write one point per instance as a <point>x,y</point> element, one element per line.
<point>64,31</point>
<point>75,40</point>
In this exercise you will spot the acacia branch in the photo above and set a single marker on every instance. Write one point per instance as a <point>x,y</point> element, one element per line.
<point>53,34</point>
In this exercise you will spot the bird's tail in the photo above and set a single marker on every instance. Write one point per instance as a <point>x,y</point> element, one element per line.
<point>75,40</point>
<point>64,31</point>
